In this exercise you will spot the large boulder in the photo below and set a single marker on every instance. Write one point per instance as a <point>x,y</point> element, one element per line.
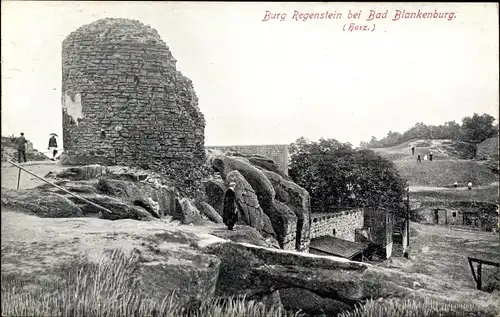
<point>209,212</point>
<point>189,214</point>
<point>249,270</point>
<point>250,211</point>
<point>119,209</point>
<point>299,201</point>
<point>42,204</point>
<point>254,176</point>
<point>214,191</point>
<point>284,223</point>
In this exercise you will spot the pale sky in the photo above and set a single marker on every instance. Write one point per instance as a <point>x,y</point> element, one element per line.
<point>270,82</point>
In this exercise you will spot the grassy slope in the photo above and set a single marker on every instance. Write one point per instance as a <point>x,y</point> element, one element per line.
<point>445,169</point>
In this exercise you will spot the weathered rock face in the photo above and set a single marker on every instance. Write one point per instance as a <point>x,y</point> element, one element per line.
<point>43,204</point>
<point>264,195</point>
<point>299,201</point>
<point>214,191</point>
<point>122,92</point>
<point>338,283</point>
<point>250,212</point>
<point>133,186</point>
<point>209,212</point>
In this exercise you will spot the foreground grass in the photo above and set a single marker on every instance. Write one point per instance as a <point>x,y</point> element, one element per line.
<point>109,289</point>
<point>418,308</point>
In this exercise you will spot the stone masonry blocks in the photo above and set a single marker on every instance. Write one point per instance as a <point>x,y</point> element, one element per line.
<point>124,100</point>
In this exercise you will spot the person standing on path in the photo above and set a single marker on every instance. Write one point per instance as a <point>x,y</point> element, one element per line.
<point>418,158</point>
<point>455,185</point>
<point>230,213</point>
<point>21,148</point>
<point>412,149</point>
<point>53,146</point>
<point>469,185</point>
<point>430,156</point>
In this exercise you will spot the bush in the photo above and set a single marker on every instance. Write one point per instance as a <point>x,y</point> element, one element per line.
<point>418,308</point>
<point>109,289</point>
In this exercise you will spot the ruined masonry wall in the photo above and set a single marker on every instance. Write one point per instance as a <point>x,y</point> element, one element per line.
<point>344,222</point>
<point>277,152</point>
<point>125,103</point>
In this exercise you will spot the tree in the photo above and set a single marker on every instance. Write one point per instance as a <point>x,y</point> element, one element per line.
<point>336,175</point>
<point>477,128</point>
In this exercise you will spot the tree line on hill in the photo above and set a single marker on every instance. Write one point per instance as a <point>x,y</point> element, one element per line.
<point>473,130</point>
<point>336,175</point>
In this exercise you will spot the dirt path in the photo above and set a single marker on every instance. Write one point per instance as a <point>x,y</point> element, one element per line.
<point>441,253</point>
<point>10,174</point>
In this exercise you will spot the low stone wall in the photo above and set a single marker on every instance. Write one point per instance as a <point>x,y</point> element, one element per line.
<point>344,222</point>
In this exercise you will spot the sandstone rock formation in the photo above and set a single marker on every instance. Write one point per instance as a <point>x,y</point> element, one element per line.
<point>129,193</point>
<point>269,201</point>
<point>43,204</point>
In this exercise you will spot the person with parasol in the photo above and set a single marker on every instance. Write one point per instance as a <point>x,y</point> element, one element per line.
<point>53,145</point>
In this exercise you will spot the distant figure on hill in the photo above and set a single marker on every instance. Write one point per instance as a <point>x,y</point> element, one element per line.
<point>469,185</point>
<point>21,148</point>
<point>412,149</point>
<point>53,146</point>
<point>455,185</point>
<point>430,156</point>
<point>425,157</point>
<point>230,213</point>
<point>418,158</point>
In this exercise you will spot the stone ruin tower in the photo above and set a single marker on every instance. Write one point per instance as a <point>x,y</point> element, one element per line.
<point>124,102</point>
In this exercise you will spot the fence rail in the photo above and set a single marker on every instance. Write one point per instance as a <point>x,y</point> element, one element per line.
<point>478,277</point>
<point>56,186</point>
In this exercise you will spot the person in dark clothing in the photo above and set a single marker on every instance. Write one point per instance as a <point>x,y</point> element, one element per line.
<point>21,148</point>
<point>412,149</point>
<point>430,156</point>
<point>53,146</point>
<point>419,159</point>
<point>230,214</point>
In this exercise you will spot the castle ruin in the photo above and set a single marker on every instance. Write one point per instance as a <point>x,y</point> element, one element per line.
<point>124,102</point>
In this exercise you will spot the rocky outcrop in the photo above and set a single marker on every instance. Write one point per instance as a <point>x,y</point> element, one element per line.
<point>284,203</point>
<point>209,212</point>
<point>249,208</point>
<point>254,176</point>
<point>299,201</point>
<point>253,271</point>
<point>214,191</point>
<point>42,204</point>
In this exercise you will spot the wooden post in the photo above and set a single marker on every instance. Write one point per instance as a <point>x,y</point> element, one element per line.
<point>18,178</point>
<point>479,274</point>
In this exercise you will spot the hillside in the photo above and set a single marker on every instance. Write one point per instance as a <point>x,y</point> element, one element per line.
<point>9,151</point>
<point>435,179</point>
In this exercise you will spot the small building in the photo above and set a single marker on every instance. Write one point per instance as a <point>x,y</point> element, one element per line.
<point>380,225</point>
<point>332,246</point>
